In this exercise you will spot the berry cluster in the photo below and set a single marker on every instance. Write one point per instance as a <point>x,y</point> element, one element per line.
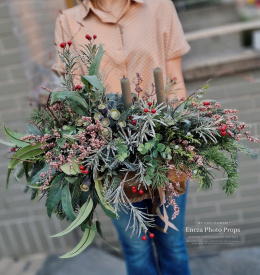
<point>77,88</point>
<point>89,37</point>
<point>146,110</point>
<point>63,44</point>
<point>83,170</point>
<point>134,190</point>
<point>151,235</point>
<point>69,43</point>
<point>223,130</point>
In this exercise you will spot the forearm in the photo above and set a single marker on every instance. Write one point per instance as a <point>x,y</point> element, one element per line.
<point>174,69</point>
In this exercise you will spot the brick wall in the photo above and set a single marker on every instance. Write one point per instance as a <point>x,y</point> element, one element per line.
<point>26,42</point>
<point>240,210</point>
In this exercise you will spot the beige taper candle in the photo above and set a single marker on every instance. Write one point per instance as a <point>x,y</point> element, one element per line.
<point>159,86</point>
<point>126,91</point>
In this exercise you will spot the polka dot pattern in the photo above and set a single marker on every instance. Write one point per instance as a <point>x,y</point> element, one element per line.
<point>145,35</point>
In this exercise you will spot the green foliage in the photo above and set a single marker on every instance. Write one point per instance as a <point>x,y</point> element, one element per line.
<point>94,67</point>
<point>94,81</point>
<point>105,206</point>
<point>25,153</point>
<point>75,99</point>
<point>15,138</point>
<point>86,240</point>
<point>84,212</point>
<point>31,129</point>
<point>70,171</point>
<point>122,150</point>
<point>66,202</point>
<point>160,178</point>
<point>221,160</point>
<point>54,195</point>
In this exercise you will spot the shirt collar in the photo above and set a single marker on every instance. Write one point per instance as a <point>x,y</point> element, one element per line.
<point>87,5</point>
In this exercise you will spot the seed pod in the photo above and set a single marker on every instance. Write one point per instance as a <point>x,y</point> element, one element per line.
<point>86,184</point>
<point>84,187</point>
<point>115,114</point>
<point>98,116</point>
<point>107,132</point>
<point>122,123</point>
<point>79,122</point>
<point>105,122</point>
<point>103,109</point>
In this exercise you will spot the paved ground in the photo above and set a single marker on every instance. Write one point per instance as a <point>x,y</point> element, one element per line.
<point>97,262</point>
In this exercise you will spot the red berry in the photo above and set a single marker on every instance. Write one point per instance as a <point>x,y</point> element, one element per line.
<point>81,167</point>
<point>94,36</point>
<point>134,189</point>
<point>151,235</point>
<point>77,88</point>
<point>144,238</point>
<point>63,45</point>
<point>141,191</point>
<point>223,128</point>
<point>69,43</point>
<point>206,103</point>
<point>223,133</point>
<point>153,111</point>
<point>12,149</point>
<point>86,171</point>
<point>131,117</point>
<point>145,110</point>
<point>88,37</point>
<point>133,122</point>
<point>150,103</point>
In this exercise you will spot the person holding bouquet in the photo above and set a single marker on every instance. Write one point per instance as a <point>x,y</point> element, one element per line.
<point>137,35</point>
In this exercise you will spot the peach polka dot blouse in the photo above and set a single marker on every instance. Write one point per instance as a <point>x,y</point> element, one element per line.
<point>145,35</point>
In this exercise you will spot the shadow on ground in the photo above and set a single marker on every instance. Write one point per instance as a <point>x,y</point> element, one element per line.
<point>94,261</point>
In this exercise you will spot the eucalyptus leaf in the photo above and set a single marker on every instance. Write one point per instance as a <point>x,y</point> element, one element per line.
<point>37,177</point>
<point>7,143</point>
<point>94,67</point>
<point>94,81</point>
<point>15,138</point>
<point>54,196</point>
<point>78,102</point>
<point>72,179</point>
<point>108,209</point>
<point>84,212</point>
<point>31,129</point>
<point>86,240</point>
<point>66,202</point>
<point>23,154</point>
<point>70,171</point>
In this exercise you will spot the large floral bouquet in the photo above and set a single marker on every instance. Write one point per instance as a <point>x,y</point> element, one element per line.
<point>86,147</point>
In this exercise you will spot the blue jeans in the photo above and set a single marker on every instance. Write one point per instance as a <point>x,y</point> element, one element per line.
<point>172,257</point>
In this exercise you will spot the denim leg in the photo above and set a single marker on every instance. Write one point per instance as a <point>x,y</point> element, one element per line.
<point>139,256</point>
<point>171,247</point>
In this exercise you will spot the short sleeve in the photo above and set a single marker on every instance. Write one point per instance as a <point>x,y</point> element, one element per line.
<point>60,36</point>
<point>176,43</point>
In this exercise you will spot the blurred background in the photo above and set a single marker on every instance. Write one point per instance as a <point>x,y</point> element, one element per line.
<point>225,46</point>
